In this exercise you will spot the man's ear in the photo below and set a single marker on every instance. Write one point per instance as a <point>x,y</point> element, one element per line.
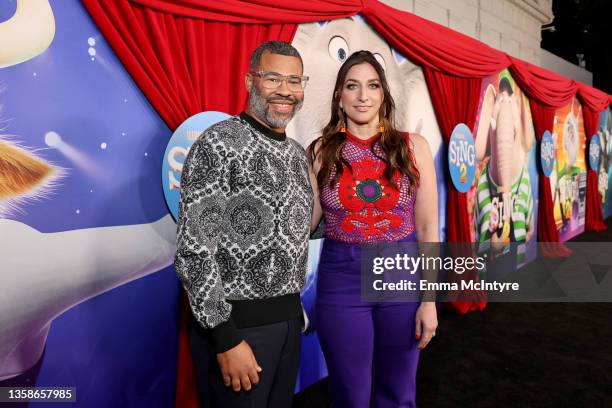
<point>21,172</point>
<point>248,81</point>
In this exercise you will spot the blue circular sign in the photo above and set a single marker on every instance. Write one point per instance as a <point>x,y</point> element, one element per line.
<point>462,158</point>
<point>594,152</point>
<point>547,153</point>
<point>176,152</point>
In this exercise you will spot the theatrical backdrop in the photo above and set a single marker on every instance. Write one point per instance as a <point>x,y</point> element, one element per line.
<point>503,200</point>
<point>89,298</point>
<point>93,134</point>
<point>604,131</point>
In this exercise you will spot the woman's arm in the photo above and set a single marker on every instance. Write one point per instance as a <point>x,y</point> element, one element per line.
<point>426,224</point>
<point>317,212</point>
<point>426,206</point>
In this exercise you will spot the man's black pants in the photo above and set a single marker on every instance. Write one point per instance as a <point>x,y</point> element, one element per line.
<point>277,350</point>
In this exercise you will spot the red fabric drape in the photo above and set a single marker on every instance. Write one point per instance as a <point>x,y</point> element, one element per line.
<point>429,44</point>
<point>594,220</point>
<point>594,102</point>
<point>593,98</point>
<point>543,119</point>
<point>455,100</point>
<point>545,87</point>
<point>422,41</point>
<point>180,64</point>
<point>257,12</point>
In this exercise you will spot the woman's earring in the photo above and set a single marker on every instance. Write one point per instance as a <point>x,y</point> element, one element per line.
<point>342,124</point>
<point>381,127</point>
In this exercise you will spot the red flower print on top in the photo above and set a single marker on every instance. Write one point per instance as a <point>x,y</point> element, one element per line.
<point>368,198</point>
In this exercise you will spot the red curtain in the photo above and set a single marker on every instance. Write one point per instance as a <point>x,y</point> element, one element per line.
<point>258,11</point>
<point>545,87</point>
<point>422,41</point>
<point>594,101</point>
<point>431,45</point>
<point>594,211</point>
<point>455,100</point>
<point>593,98</point>
<point>179,63</point>
<point>543,119</point>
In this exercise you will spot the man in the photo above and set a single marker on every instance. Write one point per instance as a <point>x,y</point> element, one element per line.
<point>243,234</point>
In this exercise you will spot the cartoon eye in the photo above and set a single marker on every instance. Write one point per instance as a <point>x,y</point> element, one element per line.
<point>338,49</point>
<point>380,60</point>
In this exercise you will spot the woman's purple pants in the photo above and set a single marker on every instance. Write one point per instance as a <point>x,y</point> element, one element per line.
<point>370,347</point>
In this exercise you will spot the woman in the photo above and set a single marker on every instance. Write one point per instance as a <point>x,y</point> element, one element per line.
<point>375,184</point>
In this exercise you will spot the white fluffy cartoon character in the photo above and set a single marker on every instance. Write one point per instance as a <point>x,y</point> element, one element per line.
<point>45,274</point>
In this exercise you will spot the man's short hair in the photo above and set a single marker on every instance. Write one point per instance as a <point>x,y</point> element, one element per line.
<point>274,47</point>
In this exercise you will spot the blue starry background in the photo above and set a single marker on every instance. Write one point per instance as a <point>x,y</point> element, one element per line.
<point>119,348</point>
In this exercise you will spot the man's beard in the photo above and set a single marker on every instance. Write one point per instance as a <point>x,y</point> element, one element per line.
<point>261,108</point>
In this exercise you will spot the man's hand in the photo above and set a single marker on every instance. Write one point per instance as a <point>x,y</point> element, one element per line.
<point>239,367</point>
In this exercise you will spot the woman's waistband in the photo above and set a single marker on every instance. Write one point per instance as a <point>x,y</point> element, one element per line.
<point>330,242</point>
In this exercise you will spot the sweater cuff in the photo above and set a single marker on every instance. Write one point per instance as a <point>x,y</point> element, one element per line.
<point>225,336</point>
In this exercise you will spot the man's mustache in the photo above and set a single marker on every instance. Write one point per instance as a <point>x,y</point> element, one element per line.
<point>289,100</point>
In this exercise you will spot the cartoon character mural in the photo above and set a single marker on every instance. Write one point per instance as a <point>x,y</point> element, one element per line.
<point>568,179</point>
<point>604,131</point>
<point>46,273</point>
<point>324,46</point>
<point>505,188</point>
<point>46,280</point>
<point>27,33</point>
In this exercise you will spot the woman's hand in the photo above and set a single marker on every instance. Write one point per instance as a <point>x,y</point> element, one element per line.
<point>426,323</point>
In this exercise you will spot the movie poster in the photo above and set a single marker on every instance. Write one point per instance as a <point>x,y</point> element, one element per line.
<point>568,178</point>
<point>503,200</point>
<point>88,300</point>
<point>604,179</point>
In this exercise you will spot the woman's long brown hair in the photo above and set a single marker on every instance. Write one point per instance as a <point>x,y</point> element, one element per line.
<point>327,148</point>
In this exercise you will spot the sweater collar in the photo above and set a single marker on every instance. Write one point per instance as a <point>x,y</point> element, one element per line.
<point>262,128</point>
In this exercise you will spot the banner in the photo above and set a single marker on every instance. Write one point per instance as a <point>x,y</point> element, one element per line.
<point>504,197</point>
<point>604,130</point>
<point>568,179</point>
<point>88,300</point>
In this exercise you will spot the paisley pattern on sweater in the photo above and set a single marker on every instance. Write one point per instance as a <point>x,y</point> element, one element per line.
<point>244,219</point>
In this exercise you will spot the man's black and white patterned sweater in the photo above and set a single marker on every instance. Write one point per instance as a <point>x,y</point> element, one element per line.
<point>243,227</point>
